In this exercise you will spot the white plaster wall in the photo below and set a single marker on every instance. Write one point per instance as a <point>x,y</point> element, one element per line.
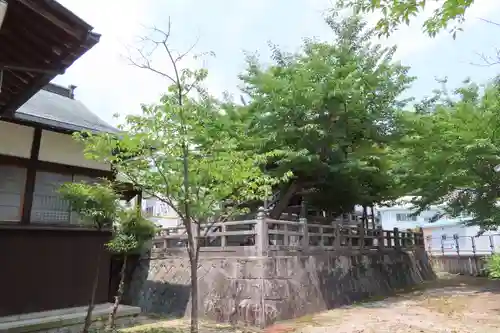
<point>63,149</point>
<point>389,221</point>
<point>15,140</point>
<point>163,214</point>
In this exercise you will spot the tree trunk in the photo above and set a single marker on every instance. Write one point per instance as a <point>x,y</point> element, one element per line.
<point>88,317</point>
<point>284,200</point>
<point>373,217</point>
<point>119,294</point>
<point>365,217</point>
<point>193,260</point>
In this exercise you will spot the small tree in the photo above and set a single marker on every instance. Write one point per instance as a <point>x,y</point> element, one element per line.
<point>189,151</point>
<point>131,233</point>
<point>97,205</point>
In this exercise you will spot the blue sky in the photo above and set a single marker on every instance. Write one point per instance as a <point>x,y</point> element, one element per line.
<point>108,84</point>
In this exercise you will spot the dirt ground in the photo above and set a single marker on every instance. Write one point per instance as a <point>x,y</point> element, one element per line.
<point>452,304</point>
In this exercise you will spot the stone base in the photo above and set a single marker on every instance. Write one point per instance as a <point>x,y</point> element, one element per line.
<point>69,320</point>
<point>260,291</point>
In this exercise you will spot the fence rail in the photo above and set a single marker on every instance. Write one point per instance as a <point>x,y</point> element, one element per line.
<point>463,245</point>
<point>264,234</point>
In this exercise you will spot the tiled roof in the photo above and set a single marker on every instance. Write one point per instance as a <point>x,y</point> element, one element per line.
<point>61,112</point>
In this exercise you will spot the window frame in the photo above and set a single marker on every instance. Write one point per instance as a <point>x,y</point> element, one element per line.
<point>408,217</point>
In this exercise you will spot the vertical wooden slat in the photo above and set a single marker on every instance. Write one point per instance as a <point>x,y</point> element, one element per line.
<point>286,237</point>
<point>397,243</point>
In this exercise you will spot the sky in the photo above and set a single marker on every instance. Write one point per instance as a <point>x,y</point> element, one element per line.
<point>108,84</point>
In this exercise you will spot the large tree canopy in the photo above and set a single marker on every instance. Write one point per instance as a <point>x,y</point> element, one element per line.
<point>450,150</point>
<point>331,109</point>
<point>395,13</point>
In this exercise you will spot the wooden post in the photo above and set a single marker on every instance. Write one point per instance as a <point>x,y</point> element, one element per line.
<point>361,233</point>
<point>303,221</point>
<point>380,238</point>
<point>337,232</point>
<point>223,239</point>
<point>349,237</point>
<point>305,231</point>
<point>492,244</point>
<point>321,239</point>
<point>262,235</point>
<point>286,237</point>
<point>397,243</point>
<point>373,217</point>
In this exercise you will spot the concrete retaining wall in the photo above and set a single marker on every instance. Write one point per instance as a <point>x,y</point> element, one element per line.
<point>465,265</point>
<point>262,290</point>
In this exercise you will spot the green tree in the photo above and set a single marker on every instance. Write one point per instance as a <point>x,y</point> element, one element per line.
<point>449,152</point>
<point>331,108</point>
<point>97,205</point>
<point>131,232</point>
<point>188,152</point>
<point>395,13</point>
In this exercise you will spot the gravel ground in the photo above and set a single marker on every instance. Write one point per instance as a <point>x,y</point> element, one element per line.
<point>452,304</point>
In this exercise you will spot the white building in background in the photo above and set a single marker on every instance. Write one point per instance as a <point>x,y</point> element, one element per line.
<point>452,236</point>
<point>400,215</point>
<point>160,213</point>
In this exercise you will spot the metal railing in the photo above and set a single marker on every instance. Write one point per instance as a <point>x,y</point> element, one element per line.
<point>463,245</point>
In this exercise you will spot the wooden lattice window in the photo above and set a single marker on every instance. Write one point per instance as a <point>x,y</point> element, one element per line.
<point>12,183</point>
<point>48,206</point>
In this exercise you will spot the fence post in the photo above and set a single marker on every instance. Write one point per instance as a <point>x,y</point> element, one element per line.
<point>457,246</point>
<point>223,239</point>
<point>361,232</point>
<point>286,237</point>
<point>397,243</point>
<point>262,240</point>
<point>442,246</point>
<point>474,253</point>
<point>492,244</point>
<point>380,238</point>
<point>349,237</point>
<point>305,232</point>
<point>338,234</point>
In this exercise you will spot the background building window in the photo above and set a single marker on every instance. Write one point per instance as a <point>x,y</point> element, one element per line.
<point>12,183</point>
<point>405,217</point>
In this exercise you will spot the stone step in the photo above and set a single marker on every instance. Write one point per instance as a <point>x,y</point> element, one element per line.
<point>70,318</point>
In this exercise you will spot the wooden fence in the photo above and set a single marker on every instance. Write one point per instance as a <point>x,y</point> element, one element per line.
<point>264,234</point>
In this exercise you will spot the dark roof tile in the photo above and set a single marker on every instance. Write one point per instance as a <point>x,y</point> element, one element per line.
<point>50,109</point>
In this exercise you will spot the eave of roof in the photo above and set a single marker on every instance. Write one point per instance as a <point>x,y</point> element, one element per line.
<point>38,34</point>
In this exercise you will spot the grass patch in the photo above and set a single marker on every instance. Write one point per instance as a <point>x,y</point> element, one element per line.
<point>182,326</point>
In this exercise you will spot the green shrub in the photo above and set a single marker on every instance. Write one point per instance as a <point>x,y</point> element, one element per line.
<point>493,266</point>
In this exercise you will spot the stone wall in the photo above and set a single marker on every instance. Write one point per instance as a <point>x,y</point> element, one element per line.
<point>286,285</point>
